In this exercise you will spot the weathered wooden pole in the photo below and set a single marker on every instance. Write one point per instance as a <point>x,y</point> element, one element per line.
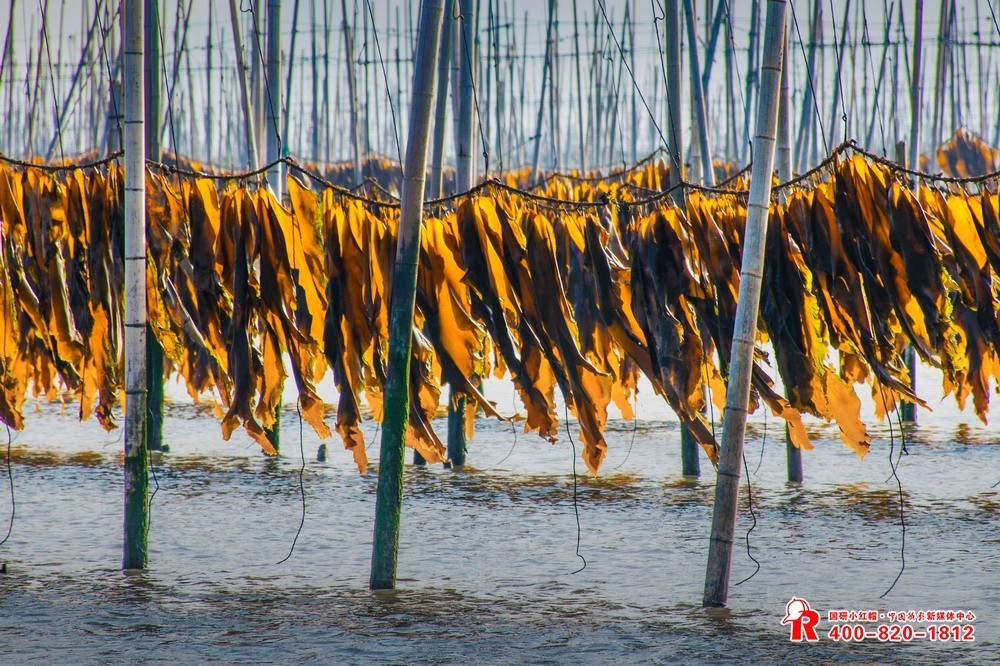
<point>741,364</point>
<point>698,98</point>
<point>352,91</point>
<point>389,495</point>
<point>134,551</point>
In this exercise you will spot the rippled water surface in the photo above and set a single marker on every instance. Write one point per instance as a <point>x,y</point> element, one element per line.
<point>487,555</point>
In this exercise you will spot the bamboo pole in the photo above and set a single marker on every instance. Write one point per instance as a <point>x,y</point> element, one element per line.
<point>249,131</point>
<point>690,464</point>
<point>154,150</point>
<point>273,101</point>
<point>60,118</point>
<point>546,66</point>
<point>134,549</point>
<point>748,303</point>
<point>352,90</point>
<point>783,165</point>
<point>808,102</point>
<point>751,78</point>
<point>916,87</point>
<point>466,55</point>
<point>908,411</point>
<point>389,495</point>
<point>675,116</point>
<point>845,28</point>
<point>209,100</point>
<point>698,99</point>
<point>441,103</point>
<point>288,80</point>
<point>8,63</point>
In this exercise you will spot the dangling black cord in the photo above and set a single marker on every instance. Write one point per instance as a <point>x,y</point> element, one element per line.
<point>10,477</point>
<point>302,489</point>
<point>635,427</point>
<point>746,470</point>
<point>576,508</point>
<point>899,485</point>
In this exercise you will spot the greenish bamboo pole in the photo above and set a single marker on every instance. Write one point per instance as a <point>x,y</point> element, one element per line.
<point>154,150</point>
<point>907,409</point>
<point>748,304</point>
<point>690,464</point>
<point>135,553</point>
<point>467,57</point>
<point>783,165</point>
<point>389,495</point>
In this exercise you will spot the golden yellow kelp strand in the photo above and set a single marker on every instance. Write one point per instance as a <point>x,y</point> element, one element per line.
<point>966,155</point>
<point>580,285</point>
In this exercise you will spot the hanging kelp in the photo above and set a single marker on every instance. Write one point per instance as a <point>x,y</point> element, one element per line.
<point>580,285</point>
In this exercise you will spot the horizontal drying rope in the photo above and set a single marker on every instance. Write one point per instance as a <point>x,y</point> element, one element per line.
<point>552,202</point>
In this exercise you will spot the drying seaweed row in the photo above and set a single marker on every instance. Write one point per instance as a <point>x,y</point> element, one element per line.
<point>580,299</point>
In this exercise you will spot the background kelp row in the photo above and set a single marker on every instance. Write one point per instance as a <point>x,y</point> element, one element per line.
<point>579,298</point>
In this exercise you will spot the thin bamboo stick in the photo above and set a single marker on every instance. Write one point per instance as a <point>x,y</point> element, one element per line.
<point>352,92</point>
<point>249,131</point>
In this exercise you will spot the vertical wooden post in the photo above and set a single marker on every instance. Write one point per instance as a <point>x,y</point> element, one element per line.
<point>389,495</point>
<point>134,551</point>
<point>745,332</point>
<point>352,91</point>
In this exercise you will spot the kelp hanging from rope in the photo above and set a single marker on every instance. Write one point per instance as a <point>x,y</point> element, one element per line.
<point>580,297</point>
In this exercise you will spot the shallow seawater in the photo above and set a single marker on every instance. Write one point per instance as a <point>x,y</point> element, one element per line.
<point>488,565</point>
